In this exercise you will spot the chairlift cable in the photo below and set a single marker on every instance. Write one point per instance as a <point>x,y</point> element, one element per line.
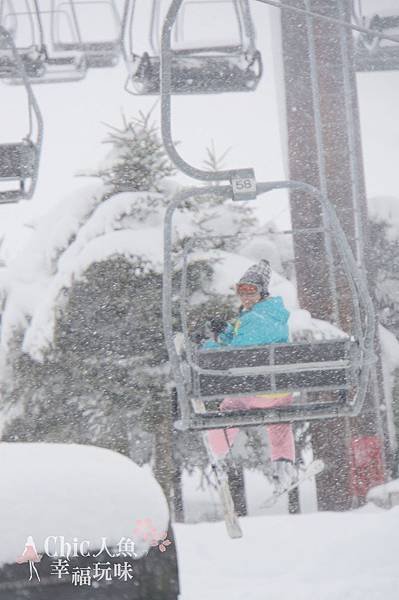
<point>76,21</point>
<point>40,25</point>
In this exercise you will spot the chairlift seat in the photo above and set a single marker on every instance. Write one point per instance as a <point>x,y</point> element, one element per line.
<point>98,54</point>
<point>17,161</point>
<point>45,68</point>
<point>319,366</point>
<point>200,71</point>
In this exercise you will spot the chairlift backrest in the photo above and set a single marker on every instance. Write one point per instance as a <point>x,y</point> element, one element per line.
<point>97,29</point>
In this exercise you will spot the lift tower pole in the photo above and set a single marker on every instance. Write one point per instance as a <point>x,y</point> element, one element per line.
<point>324,149</point>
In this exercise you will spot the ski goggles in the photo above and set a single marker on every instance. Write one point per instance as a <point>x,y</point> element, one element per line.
<point>247,289</point>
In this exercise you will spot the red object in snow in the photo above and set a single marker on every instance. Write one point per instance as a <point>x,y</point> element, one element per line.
<point>366,464</point>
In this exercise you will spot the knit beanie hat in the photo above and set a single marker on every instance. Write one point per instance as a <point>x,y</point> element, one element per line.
<point>259,274</point>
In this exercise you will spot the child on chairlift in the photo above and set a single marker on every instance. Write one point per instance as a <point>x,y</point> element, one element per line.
<point>262,319</point>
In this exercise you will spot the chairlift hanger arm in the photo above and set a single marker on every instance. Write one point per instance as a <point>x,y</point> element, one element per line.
<point>33,105</point>
<point>166,116</point>
<point>348,25</point>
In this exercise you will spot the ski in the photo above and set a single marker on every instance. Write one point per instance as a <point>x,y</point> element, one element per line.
<point>230,517</point>
<point>312,470</point>
<point>222,485</point>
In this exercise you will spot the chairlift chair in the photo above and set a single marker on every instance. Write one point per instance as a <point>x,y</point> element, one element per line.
<point>32,30</point>
<point>19,161</point>
<point>204,377</point>
<point>376,53</point>
<point>100,51</point>
<point>197,67</point>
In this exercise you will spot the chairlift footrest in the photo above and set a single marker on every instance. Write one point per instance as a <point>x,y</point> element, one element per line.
<point>262,416</point>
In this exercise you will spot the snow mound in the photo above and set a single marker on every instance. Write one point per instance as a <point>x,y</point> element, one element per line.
<point>303,327</point>
<point>385,495</point>
<point>73,491</point>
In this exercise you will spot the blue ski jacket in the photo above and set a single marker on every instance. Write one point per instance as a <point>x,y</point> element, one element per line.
<point>265,323</point>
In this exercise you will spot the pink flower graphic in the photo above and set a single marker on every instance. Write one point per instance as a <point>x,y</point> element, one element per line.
<point>162,542</point>
<point>146,531</point>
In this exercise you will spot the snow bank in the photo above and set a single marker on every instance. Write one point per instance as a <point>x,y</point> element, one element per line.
<point>73,491</point>
<point>385,495</point>
<point>324,556</point>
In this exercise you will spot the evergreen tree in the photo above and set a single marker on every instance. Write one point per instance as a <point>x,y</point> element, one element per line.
<point>138,161</point>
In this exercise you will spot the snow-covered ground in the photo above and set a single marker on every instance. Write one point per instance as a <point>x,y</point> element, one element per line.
<point>323,556</point>
<point>74,492</point>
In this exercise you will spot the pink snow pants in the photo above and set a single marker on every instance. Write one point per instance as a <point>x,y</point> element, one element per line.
<point>281,437</point>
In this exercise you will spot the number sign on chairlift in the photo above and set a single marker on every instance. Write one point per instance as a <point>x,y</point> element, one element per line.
<point>19,161</point>
<point>213,47</point>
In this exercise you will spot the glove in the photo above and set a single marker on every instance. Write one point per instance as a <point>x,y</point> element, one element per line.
<point>198,336</point>
<point>217,325</point>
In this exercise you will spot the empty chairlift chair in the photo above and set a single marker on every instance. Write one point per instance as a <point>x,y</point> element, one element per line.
<point>213,49</point>
<point>96,31</point>
<point>19,161</point>
<point>373,53</point>
<point>32,27</point>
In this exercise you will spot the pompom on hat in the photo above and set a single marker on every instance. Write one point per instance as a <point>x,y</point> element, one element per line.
<point>260,275</point>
